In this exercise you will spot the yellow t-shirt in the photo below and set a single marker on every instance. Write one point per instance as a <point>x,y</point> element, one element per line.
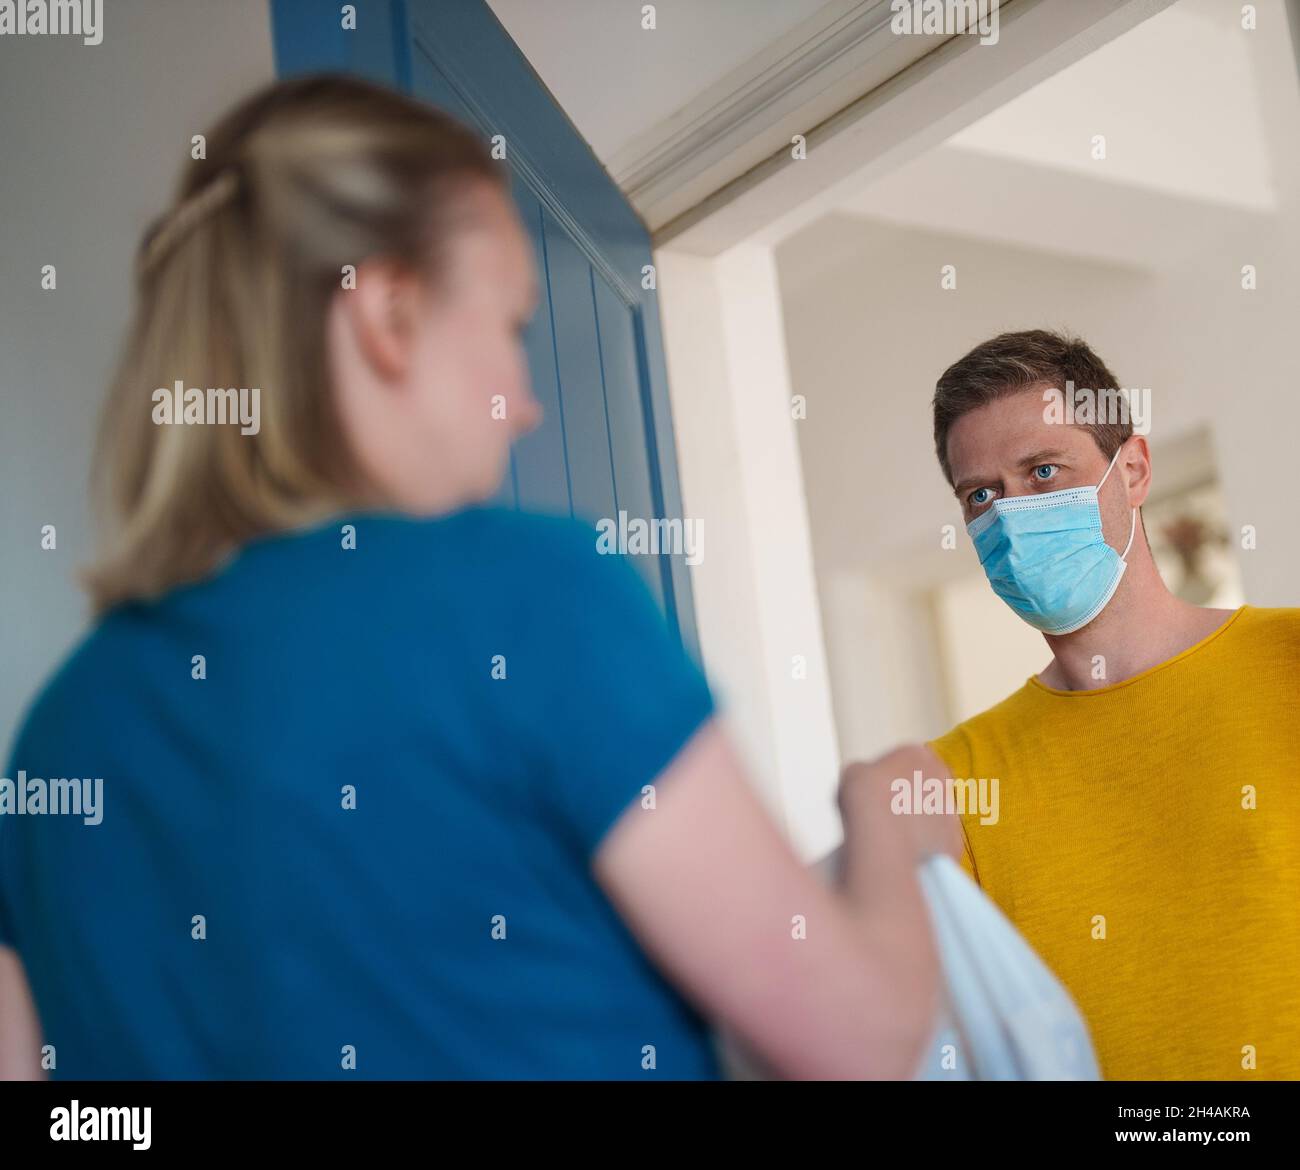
<point>1147,844</point>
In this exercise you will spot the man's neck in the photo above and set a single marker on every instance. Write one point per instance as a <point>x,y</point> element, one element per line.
<point>1143,626</point>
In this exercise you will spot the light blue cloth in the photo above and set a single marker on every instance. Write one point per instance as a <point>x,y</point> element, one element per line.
<point>1008,1018</point>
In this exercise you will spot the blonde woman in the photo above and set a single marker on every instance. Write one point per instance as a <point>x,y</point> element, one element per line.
<point>332,843</point>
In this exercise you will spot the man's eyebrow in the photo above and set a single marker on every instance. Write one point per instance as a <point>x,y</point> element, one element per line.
<point>1031,460</point>
<point>1044,456</point>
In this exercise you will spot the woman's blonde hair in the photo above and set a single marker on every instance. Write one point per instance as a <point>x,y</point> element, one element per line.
<point>233,284</point>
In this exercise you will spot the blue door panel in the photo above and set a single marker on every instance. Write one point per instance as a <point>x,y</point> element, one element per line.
<point>577,355</point>
<point>431,84</point>
<point>541,465</point>
<point>308,37</point>
<point>629,448</point>
<point>595,355</point>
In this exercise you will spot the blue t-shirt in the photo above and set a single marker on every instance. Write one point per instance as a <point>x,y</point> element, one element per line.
<point>365,835</point>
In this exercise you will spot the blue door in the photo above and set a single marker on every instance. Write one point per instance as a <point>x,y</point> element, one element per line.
<point>594,347</point>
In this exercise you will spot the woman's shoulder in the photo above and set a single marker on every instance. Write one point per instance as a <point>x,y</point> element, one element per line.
<point>479,563</point>
<point>480,559</point>
<point>488,532</point>
<point>388,554</point>
<point>489,546</point>
<point>44,718</point>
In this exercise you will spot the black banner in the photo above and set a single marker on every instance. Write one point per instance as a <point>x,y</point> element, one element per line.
<point>335,1118</point>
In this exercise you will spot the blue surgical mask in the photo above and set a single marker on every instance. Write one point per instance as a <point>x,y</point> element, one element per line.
<point>1046,557</point>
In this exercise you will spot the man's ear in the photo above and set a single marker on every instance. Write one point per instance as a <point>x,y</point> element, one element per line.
<point>382,312</point>
<point>1137,470</point>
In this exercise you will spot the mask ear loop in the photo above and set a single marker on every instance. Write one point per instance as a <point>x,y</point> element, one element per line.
<point>1132,528</point>
<point>1111,468</point>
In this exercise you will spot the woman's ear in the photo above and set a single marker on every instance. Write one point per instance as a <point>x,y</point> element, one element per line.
<point>382,313</point>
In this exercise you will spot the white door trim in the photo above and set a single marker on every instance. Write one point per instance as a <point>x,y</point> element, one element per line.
<point>800,80</point>
<point>892,119</point>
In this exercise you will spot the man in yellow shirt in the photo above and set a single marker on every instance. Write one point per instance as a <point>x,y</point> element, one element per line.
<point>1147,841</point>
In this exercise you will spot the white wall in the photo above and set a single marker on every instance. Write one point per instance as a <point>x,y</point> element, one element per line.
<point>755,594</point>
<point>93,138</point>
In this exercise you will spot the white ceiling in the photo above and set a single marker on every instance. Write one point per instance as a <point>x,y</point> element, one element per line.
<point>617,80</point>
<point>1184,102</point>
<point>1176,98</point>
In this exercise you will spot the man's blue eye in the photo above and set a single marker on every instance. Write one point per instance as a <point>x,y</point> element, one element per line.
<point>1050,468</point>
<point>978,498</point>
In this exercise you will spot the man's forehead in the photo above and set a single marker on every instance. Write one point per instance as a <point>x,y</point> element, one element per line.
<point>997,423</point>
<point>984,441</point>
<point>1023,403</point>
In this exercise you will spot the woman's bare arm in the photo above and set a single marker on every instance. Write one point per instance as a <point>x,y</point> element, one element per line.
<point>716,896</point>
<point>20,1031</point>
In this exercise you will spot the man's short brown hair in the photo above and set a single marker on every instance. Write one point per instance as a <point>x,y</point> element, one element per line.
<point>1014,362</point>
